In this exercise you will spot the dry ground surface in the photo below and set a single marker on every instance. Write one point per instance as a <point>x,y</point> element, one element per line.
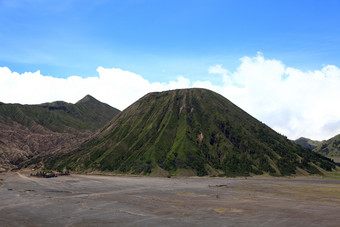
<point>88,200</point>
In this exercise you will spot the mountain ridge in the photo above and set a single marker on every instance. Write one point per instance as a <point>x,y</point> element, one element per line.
<point>30,130</point>
<point>307,143</point>
<point>195,130</point>
<point>330,147</point>
<point>87,98</point>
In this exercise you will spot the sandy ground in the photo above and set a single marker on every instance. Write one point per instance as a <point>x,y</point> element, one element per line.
<point>81,200</point>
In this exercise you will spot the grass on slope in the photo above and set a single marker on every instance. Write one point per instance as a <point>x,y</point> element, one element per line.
<point>190,129</point>
<point>87,114</point>
<point>330,148</point>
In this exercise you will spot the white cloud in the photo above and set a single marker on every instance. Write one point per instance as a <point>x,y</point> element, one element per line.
<point>218,69</point>
<point>293,102</point>
<point>114,86</point>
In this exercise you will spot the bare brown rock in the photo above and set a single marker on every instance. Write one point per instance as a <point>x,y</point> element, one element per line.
<point>18,144</point>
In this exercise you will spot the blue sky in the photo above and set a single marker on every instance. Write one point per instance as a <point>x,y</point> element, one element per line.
<point>163,39</point>
<point>277,60</point>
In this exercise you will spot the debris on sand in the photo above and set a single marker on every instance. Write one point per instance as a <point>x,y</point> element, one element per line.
<point>49,174</point>
<point>217,186</point>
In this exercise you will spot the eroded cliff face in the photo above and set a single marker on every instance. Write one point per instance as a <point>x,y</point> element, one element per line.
<point>18,144</point>
<point>29,131</point>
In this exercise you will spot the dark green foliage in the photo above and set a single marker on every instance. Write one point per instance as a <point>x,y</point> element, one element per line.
<point>189,129</point>
<point>264,166</point>
<point>235,164</point>
<point>287,166</point>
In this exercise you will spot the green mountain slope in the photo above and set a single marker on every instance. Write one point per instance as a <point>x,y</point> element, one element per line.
<point>194,130</point>
<point>307,143</point>
<point>30,130</point>
<point>87,114</point>
<point>330,148</point>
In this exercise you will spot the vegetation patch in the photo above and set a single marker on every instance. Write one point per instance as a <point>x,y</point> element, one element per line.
<point>195,130</point>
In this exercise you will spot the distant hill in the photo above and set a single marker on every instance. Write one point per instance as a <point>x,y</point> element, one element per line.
<point>59,116</point>
<point>330,148</point>
<point>189,131</point>
<point>29,130</point>
<point>307,143</point>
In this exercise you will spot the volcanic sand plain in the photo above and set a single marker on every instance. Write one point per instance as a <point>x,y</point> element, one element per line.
<point>92,200</point>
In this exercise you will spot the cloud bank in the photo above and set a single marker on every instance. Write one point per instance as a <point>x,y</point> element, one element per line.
<point>114,86</point>
<point>293,102</point>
